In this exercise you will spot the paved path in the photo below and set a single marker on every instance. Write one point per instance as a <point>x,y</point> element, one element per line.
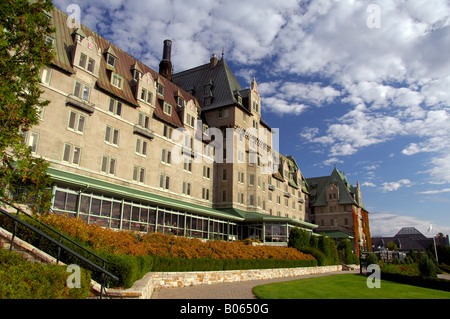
<point>235,290</point>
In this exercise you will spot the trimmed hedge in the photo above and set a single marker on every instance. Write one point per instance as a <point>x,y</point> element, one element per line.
<point>433,283</point>
<point>23,279</point>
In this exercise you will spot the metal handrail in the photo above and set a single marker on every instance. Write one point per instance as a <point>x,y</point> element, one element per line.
<point>58,243</point>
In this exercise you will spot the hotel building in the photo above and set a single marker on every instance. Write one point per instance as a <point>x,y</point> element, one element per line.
<point>185,153</point>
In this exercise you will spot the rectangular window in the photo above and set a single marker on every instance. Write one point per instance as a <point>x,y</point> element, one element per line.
<point>167,108</point>
<point>76,122</point>
<point>112,136</point>
<point>111,60</point>
<point>187,188</point>
<point>83,59</point>
<point>187,165</point>
<point>164,181</point>
<point>144,120</point>
<point>115,107</point>
<point>166,156</point>
<point>167,132</point>
<point>46,75</point>
<point>82,91</point>
<point>141,147</point>
<point>251,200</point>
<point>91,65</point>
<point>206,171</point>
<point>108,165</point>
<point>116,80</point>
<point>251,179</point>
<point>71,154</point>
<point>138,174</point>
<point>224,174</point>
<point>205,193</point>
<point>160,89</point>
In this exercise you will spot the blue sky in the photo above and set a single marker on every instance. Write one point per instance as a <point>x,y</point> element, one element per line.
<point>357,84</point>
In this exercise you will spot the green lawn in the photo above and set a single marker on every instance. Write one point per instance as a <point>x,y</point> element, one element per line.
<point>348,286</point>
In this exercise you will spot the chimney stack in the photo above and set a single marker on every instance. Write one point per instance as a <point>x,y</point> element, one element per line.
<point>213,61</point>
<point>165,66</point>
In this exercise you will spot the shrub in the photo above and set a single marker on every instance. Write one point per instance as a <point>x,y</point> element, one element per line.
<point>426,267</point>
<point>22,279</point>
<point>371,259</point>
<point>346,255</point>
<point>316,253</point>
<point>298,238</point>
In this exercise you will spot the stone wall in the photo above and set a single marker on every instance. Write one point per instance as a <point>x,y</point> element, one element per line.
<point>182,279</point>
<point>143,289</point>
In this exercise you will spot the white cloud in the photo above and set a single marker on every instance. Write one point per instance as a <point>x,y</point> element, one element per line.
<point>388,224</point>
<point>432,192</point>
<point>393,186</point>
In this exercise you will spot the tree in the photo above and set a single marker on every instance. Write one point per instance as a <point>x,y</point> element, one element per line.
<point>392,246</point>
<point>24,52</point>
<point>298,238</point>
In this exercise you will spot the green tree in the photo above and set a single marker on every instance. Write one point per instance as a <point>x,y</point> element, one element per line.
<point>392,246</point>
<point>24,51</point>
<point>298,238</point>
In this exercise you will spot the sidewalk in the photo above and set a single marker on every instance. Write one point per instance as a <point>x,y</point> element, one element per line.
<point>237,290</point>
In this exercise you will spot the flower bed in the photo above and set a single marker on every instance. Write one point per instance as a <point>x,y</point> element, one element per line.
<point>129,243</point>
<point>131,255</point>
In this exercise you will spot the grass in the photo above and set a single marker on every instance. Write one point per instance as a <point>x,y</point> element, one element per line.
<point>348,286</point>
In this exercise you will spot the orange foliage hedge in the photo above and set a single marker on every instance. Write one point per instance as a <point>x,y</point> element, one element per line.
<point>126,243</point>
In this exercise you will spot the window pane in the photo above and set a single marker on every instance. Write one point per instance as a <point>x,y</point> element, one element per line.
<point>60,200</point>
<point>82,60</point>
<point>76,155</point>
<point>112,166</point>
<point>135,173</point>
<point>111,105</point>
<point>144,148</point>
<point>142,175</point>
<point>104,164</point>
<point>106,208</point>
<point>161,181</point>
<point>95,206</point>
<point>81,121</point>
<point>119,109</point>
<point>72,201</point>
<point>167,182</point>
<point>72,118</point>
<point>108,134</point>
<point>116,209</point>
<point>77,90</point>
<point>86,93</point>
<point>85,203</point>
<point>91,65</point>
<point>116,137</point>
<point>138,146</point>
<point>67,151</point>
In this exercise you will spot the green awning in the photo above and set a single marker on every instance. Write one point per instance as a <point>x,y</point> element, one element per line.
<point>114,189</point>
<point>258,217</point>
<point>336,234</point>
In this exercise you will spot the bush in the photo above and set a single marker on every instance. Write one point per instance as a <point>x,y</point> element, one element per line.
<point>346,256</point>
<point>371,259</point>
<point>316,253</point>
<point>298,238</point>
<point>22,279</point>
<point>426,267</point>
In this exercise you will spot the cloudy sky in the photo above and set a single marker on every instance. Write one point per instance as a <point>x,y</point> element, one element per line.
<point>363,85</point>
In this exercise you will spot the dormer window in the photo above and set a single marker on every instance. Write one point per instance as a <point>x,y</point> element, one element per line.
<point>116,80</point>
<point>180,102</point>
<point>136,75</point>
<point>167,108</point>
<point>160,89</point>
<point>111,60</point>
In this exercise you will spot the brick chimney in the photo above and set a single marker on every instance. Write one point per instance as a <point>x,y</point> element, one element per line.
<point>213,61</point>
<point>165,66</point>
